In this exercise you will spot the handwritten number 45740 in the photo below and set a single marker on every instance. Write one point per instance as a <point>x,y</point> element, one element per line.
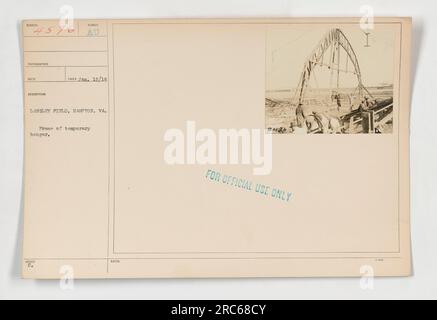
<point>52,30</point>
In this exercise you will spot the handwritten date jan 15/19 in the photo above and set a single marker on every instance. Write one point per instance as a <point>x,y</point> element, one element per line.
<point>88,79</point>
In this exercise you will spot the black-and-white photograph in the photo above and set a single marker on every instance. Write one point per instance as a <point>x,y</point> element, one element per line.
<point>330,79</point>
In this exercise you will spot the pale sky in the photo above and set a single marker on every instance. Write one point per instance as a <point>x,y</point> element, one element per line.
<point>288,47</point>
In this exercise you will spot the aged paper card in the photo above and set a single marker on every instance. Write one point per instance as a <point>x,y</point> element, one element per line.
<point>217,148</point>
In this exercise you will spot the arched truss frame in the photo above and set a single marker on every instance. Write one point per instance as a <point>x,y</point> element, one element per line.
<point>334,39</point>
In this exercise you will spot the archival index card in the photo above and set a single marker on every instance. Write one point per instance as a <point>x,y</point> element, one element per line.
<point>217,148</point>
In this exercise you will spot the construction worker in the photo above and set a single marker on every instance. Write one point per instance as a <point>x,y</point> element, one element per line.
<point>300,116</point>
<point>333,95</point>
<point>369,103</point>
<point>338,99</point>
<point>363,106</point>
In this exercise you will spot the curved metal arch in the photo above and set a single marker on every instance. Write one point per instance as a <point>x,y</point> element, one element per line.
<point>333,37</point>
